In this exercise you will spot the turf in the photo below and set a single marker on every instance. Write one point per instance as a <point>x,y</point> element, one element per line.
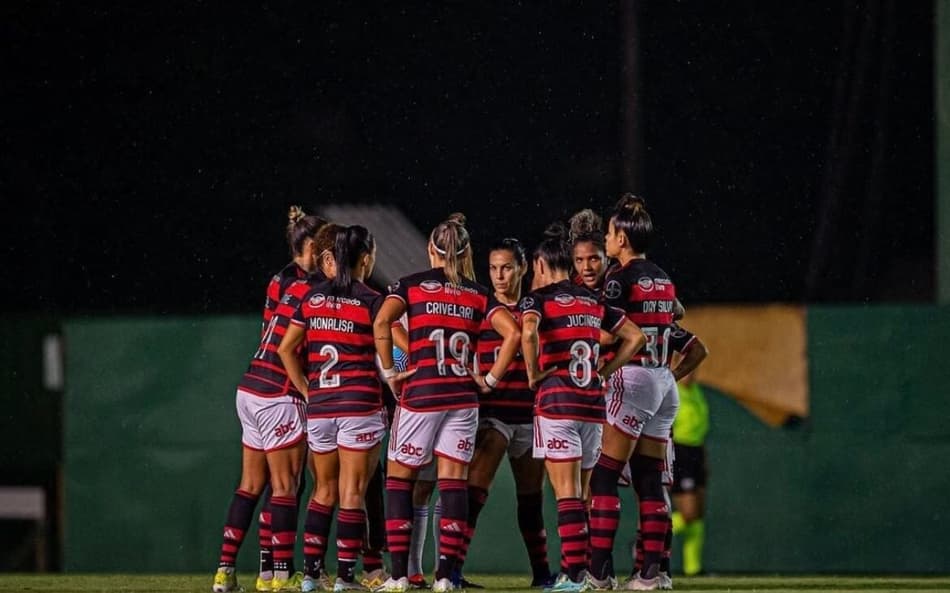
<point>87,583</point>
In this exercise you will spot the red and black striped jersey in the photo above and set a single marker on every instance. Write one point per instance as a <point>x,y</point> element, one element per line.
<point>340,350</point>
<point>681,339</point>
<point>444,324</point>
<point>511,401</point>
<point>570,320</point>
<point>265,376</point>
<point>648,296</point>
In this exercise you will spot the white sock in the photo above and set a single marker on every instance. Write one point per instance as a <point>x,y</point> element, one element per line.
<point>436,530</point>
<point>420,518</point>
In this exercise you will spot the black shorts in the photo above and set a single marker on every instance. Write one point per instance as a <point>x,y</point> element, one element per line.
<point>689,468</point>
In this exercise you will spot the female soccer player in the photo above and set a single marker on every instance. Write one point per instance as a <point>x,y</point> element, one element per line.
<point>345,416</point>
<point>270,410</point>
<point>641,399</point>
<point>438,409</point>
<point>561,326</point>
<point>587,238</point>
<point>506,422</point>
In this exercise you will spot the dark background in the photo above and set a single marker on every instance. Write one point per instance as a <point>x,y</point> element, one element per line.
<point>150,153</point>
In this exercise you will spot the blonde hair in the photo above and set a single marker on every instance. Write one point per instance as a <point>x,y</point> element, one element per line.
<point>451,241</point>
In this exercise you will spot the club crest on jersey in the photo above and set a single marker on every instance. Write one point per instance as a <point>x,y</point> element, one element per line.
<point>394,286</point>
<point>526,303</point>
<point>645,283</point>
<point>430,286</point>
<point>317,300</point>
<point>565,300</point>
<point>613,290</point>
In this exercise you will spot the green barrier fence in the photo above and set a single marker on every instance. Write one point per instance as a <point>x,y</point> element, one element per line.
<point>152,454</point>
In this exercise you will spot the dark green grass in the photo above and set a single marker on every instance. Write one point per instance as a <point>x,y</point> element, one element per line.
<point>89,583</point>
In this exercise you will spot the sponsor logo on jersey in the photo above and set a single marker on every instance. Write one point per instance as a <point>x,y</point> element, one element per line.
<point>565,300</point>
<point>526,303</point>
<point>410,449</point>
<point>645,283</point>
<point>613,290</point>
<point>431,286</point>
<point>317,300</point>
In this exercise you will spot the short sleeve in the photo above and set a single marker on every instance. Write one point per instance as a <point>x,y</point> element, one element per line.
<point>399,289</point>
<point>493,306</point>
<point>531,305</point>
<point>612,320</point>
<point>290,303</point>
<point>680,338</point>
<point>297,316</point>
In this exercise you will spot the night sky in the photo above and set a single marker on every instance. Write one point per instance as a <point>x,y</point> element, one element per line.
<point>150,153</point>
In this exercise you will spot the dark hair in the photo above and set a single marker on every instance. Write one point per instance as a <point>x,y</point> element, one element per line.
<point>325,239</point>
<point>587,227</point>
<point>351,243</point>
<point>631,217</point>
<point>555,249</point>
<point>452,242</point>
<point>300,227</point>
<point>514,246</point>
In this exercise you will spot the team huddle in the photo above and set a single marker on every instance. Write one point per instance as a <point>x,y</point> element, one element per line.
<point>570,380</point>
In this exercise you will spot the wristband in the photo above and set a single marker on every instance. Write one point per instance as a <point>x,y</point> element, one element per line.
<point>490,380</point>
<point>388,373</point>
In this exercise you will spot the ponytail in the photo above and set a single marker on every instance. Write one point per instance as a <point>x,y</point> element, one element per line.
<point>350,244</point>
<point>451,241</point>
<point>631,217</point>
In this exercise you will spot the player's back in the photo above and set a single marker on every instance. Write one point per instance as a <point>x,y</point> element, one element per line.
<point>444,321</point>
<point>648,297</point>
<point>340,350</point>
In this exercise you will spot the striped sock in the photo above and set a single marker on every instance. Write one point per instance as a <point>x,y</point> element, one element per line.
<point>239,518</point>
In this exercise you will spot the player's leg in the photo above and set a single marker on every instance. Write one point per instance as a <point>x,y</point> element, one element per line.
<point>454,447</point>
<point>421,495</point>
<point>625,420</point>
<point>491,443</point>
<point>325,466</point>
<point>410,448</point>
<point>529,480</point>
<point>374,572</point>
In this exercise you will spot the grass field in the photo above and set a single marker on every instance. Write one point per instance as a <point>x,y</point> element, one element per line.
<point>88,583</point>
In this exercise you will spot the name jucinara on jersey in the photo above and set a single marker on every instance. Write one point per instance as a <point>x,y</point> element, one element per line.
<point>583,321</point>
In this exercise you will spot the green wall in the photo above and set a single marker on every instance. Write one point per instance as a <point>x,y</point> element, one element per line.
<point>152,453</point>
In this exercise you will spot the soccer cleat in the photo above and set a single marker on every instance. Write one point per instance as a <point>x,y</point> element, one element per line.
<point>263,584</point>
<point>467,584</point>
<point>309,584</point>
<point>374,579</point>
<point>638,583</point>
<point>225,580</point>
<point>543,582</point>
<point>666,581</point>
<point>442,585</point>
<point>341,585</point>
<point>292,583</point>
<point>595,584</point>
<point>400,585</point>
<point>417,581</point>
<point>564,584</point>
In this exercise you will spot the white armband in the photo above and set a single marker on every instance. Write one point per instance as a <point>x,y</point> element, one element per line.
<point>490,380</point>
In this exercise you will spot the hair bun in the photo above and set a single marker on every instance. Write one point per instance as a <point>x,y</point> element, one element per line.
<point>295,214</point>
<point>457,217</point>
<point>586,222</point>
<point>556,230</point>
<point>631,202</point>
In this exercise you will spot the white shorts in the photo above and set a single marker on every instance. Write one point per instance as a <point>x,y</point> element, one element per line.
<point>356,433</point>
<point>567,440</point>
<point>270,423</point>
<point>642,401</point>
<point>416,436</point>
<point>519,436</point>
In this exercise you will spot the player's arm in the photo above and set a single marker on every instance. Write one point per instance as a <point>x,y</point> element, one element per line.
<point>695,353</point>
<point>400,336</point>
<point>288,355</point>
<point>631,341</point>
<point>529,348</point>
<point>506,326</point>
<point>392,309</point>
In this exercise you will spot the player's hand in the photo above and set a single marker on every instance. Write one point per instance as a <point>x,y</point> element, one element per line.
<point>483,387</point>
<point>535,379</point>
<point>397,381</point>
